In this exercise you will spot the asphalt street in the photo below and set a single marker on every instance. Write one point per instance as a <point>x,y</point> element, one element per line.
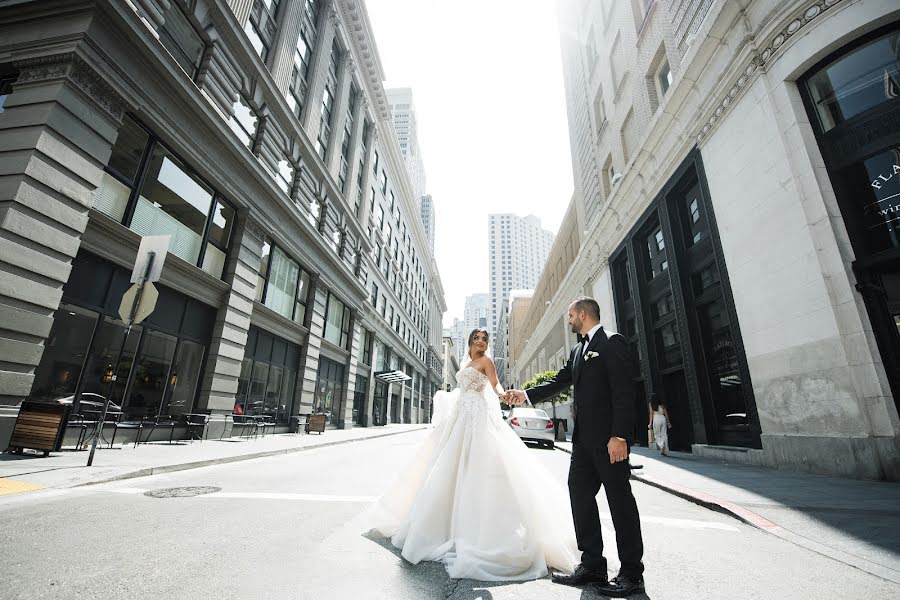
<point>294,526</point>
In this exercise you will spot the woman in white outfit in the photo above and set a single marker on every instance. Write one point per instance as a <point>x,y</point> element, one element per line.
<point>659,421</point>
<point>474,497</point>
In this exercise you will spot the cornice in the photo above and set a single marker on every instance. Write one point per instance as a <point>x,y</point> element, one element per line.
<point>762,59</point>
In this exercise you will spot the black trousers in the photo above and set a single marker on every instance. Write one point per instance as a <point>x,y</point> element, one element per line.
<point>589,471</point>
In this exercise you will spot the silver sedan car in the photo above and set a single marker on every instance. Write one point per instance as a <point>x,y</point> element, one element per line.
<point>532,425</point>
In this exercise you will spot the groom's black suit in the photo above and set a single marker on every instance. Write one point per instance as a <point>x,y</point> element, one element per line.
<point>604,408</point>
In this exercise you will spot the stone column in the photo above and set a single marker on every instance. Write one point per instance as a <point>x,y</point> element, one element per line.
<point>282,64</point>
<point>364,210</point>
<point>56,135</point>
<point>352,370</point>
<point>309,364</point>
<point>339,118</point>
<point>229,338</point>
<point>370,391</point>
<point>318,70</point>
<point>353,159</point>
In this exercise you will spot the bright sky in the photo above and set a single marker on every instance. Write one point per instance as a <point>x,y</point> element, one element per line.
<point>487,81</point>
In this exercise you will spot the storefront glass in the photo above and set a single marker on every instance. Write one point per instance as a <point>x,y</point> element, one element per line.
<point>266,385</point>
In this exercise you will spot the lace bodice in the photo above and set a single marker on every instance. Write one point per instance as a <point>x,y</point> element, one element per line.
<point>471,379</point>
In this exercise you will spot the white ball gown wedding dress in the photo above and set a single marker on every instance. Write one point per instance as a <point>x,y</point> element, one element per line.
<point>475,498</point>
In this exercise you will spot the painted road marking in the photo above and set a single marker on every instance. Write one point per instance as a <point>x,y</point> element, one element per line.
<point>14,486</point>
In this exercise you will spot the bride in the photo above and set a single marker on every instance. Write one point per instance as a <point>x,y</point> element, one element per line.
<point>473,497</point>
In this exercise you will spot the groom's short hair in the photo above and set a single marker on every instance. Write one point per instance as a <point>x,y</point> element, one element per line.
<point>588,305</point>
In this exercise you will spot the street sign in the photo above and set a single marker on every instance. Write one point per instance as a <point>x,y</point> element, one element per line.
<point>146,303</point>
<point>159,245</point>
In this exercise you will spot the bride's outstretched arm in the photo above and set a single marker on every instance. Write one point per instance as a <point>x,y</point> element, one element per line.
<point>491,373</point>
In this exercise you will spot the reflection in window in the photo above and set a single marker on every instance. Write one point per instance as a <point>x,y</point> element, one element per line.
<point>283,285</point>
<point>5,90</point>
<point>329,390</point>
<point>171,200</point>
<point>337,322</point>
<point>857,81</point>
<point>151,374</point>
<point>668,347</point>
<point>184,379</point>
<point>656,250</point>
<point>722,365</point>
<point>65,352</point>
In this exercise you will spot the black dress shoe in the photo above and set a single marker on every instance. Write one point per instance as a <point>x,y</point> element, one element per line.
<point>622,586</point>
<point>582,576</point>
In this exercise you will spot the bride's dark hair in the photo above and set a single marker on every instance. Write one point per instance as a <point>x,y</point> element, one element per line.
<point>487,339</point>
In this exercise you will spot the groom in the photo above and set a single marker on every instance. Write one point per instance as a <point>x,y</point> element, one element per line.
<point>600,369</point>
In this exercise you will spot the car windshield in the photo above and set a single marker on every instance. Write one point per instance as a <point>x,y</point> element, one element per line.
<point>530,412</point>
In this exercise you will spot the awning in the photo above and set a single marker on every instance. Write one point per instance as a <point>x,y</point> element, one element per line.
<point>392,376</point>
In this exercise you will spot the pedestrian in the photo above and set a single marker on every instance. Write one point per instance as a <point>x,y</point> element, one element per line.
<point>660,424</point>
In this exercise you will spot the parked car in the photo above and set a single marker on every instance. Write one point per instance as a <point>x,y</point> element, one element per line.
<point>90,403</point>
<point>532,425</point>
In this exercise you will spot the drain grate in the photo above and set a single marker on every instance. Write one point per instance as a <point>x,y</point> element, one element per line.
<point>182,492</point>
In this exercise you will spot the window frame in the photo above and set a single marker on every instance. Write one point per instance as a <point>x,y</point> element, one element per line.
<point>140,179</point>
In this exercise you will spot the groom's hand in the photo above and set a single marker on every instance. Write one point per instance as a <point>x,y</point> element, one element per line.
<point>515,397</point>
<point>618,450</point>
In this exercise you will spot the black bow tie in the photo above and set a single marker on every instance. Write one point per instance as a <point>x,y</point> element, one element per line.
<point>583,338</point>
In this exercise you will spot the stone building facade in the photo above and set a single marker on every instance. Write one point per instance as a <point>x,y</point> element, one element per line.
<point>735,173</point>
<point>257,135</point>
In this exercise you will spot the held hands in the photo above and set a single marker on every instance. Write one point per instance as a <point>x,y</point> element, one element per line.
<point>514,397</point>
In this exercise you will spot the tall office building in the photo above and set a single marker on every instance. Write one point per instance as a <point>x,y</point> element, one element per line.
<point>426,212</point>
<point>518,250</point>
<point>403,113</point>
<point>477,311</point>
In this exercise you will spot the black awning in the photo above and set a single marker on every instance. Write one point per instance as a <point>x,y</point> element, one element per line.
<point>392,376</point>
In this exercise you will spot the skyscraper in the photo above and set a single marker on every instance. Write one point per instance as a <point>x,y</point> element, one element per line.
<point>426,212</point>
<point>403,114</point>
<point>518,250</point>
<point>477,313</point>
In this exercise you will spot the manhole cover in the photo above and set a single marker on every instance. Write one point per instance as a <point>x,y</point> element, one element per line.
<point>182,492</point>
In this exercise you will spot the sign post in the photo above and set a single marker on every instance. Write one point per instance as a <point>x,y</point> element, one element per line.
<point>137,304</point>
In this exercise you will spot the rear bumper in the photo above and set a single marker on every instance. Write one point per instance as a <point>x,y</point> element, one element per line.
<point>535,435</point>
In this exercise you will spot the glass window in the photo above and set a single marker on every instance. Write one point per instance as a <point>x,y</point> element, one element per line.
<point>184,379</point>
<point>668,345</point>
<point>128,150</point>
<point>337,322</point>
<point>302,297</point>
<point>263,271</point>
<point>180,38</point>
<point>722,365</point>
<point>329,390</point>
<point>173,202</point>
<point>100,372</point>
<point>857,81</point>
<point>151,374</point>
<point>284,274</point>
<point>664,78</point>
<point>656,251</point>
<point>5,90</point>
<point>65,352</point>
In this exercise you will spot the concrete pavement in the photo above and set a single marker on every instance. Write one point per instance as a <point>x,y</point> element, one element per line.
<point>295,526</point>
<point>853,521</point>
<point>67,469</point>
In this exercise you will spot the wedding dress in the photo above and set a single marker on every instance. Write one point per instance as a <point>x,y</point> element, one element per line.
<point>475,498</point>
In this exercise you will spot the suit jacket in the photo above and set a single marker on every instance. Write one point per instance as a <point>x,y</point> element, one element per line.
<point>604,390</point>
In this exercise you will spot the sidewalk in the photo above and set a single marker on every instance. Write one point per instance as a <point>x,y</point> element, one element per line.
<point>856,522</point>
<point>67,469</point>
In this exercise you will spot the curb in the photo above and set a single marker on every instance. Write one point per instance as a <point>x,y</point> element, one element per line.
<point>758,521</point>
<point>238,458</point>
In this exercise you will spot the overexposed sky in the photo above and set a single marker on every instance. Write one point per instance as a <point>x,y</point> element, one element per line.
<point>487,81</point>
